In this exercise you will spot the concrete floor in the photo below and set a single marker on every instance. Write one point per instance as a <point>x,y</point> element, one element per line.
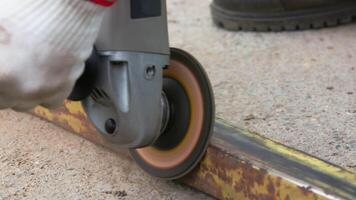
<point>298,88</point>
<point>41,161</point>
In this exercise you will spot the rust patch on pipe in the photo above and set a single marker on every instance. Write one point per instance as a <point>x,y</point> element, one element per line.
<point>71,117</point>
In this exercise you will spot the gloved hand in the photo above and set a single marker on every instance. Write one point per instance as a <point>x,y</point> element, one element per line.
<point>43,47</point>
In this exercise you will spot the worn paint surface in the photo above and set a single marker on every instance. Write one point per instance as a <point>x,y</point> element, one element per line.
<point>225,177</point>
<point>224,173</point>
<point>312,162</point>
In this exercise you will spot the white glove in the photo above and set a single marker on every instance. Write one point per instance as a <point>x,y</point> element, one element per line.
<point>43,47</point>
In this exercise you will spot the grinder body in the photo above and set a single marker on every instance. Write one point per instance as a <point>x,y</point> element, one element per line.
<point>126,73</point>
<point>143,95</point>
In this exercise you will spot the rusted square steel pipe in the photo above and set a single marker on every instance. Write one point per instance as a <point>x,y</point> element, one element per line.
<point>240,164</point>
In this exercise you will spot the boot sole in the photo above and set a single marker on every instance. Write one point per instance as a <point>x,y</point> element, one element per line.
<point>284,21</point>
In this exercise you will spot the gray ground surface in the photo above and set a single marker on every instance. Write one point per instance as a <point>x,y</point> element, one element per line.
<point>297,88</point>
<point>41,161</point>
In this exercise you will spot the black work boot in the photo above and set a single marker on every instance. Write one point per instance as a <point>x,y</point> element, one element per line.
<point>279,15</point>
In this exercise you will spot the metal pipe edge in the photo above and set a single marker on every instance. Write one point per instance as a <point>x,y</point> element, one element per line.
<point>239,164</point>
